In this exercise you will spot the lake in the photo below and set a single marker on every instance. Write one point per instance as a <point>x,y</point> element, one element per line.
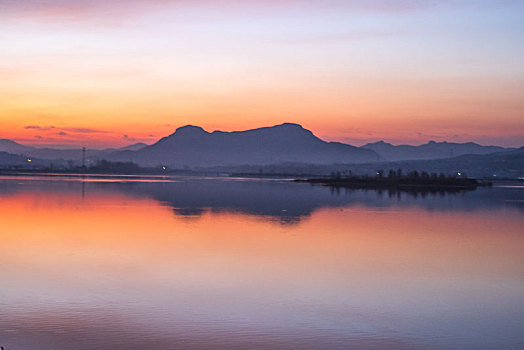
<point>112,262</point>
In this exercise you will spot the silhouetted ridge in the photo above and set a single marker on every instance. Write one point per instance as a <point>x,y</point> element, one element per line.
<point>430,150</point>
<point>134,147</point>
<point>192,146</point>
<point>190,130</point>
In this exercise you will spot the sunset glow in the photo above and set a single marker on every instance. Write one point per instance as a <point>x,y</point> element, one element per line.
<point>111,73</point>
<point>348,250</point>
<point>121,262</point>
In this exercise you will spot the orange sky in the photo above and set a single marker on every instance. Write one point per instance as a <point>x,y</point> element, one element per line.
<point>99,74</point>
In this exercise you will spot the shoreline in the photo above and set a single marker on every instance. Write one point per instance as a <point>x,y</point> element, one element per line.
<point>401,184</point>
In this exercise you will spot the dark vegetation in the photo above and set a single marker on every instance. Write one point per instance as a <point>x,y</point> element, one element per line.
<point>396,180</point>
<point>98,167</point>
<point>104,166</point>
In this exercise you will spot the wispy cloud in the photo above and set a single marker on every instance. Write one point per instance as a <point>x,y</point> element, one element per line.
<point>89,9</point>
<point>38,127</point>
<point>128,138</point>
<point>330,38</point>
<point>66,129</point>
<point>85,130</point>
<point>67,136</point>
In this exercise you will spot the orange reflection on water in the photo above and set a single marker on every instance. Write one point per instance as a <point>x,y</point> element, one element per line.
<point>390,265</point>
<point>59,235</point>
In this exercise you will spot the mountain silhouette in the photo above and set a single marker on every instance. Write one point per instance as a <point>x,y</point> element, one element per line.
<point>133,147</point>
<point>287,144</point>
<point>192,146</point>
<point>430,150</point>
<point>49,153</point>
<point>13,147</point>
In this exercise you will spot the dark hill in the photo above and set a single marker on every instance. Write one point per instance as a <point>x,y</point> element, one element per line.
<point>430,150</point>
<point>192,146</point>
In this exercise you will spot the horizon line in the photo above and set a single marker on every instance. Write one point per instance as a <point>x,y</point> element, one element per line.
<point>360,142</point>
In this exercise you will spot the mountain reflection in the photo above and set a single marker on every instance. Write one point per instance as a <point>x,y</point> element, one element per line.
<point>276,200</point>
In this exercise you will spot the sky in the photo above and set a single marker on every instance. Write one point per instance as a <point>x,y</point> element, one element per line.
<point>105,73</point>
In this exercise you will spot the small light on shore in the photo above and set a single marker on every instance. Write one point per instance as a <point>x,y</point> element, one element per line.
<point>459,174</point>
<point>29,160</point>
<point>163,168</point>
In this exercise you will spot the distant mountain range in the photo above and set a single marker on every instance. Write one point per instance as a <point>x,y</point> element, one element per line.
<point>505,164</point>
<point>430,150</point>
<point>47,153</point>
<point>191,146</point>
<point>285,144</point>
<point>13,147</point>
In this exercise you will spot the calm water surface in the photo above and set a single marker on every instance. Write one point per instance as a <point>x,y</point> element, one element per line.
<point>128,263</point>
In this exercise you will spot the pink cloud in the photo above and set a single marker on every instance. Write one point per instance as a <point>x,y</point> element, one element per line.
<point>39,127</point>
<point>64,129</point>
<point>89,9</point>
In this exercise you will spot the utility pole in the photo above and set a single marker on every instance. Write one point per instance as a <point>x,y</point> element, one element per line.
<point>83,158</point>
